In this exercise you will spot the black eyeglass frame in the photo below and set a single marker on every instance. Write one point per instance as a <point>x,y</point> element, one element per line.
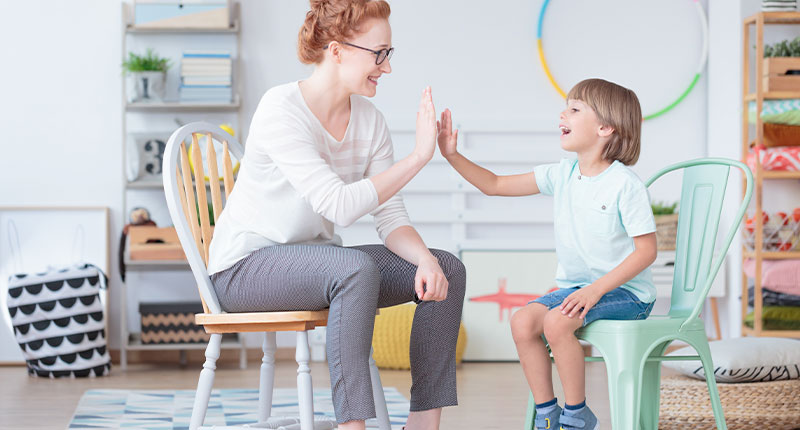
<point>387,53</point>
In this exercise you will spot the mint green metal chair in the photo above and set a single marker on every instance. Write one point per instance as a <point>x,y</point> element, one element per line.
<point>633,350</point>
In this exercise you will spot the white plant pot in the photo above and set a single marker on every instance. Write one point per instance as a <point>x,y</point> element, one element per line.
<point>146,86</point>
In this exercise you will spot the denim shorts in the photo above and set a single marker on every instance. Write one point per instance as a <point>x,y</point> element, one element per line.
<point>617,304</point>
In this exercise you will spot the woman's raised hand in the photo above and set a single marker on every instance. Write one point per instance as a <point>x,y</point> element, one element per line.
<point>426,127</point>
<point>447,138</point>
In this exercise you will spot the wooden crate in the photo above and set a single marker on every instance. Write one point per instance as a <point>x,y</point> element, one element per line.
<point>164,243</point>
<point>775,77</point>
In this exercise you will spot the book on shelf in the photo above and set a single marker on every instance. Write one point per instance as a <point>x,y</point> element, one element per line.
<point>206,93</point>
<point>205,53</point>
<point>206,76</point>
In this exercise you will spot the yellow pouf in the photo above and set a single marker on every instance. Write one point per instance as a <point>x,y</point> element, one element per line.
<point>392,337</point>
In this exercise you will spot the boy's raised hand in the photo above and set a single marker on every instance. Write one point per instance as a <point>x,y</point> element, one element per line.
<point>447,137</point>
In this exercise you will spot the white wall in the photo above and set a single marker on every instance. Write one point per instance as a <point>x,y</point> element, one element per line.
<point>62,120</point>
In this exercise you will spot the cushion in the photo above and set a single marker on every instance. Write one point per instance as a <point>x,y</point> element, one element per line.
<point>785,111</point>
<point>781,158</point>
<point>777,318</point>
<point>745,359</point>
<point>781,276</point>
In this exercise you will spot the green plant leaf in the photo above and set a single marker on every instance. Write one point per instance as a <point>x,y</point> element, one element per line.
<point>663,208</point>
<point>149,62</point>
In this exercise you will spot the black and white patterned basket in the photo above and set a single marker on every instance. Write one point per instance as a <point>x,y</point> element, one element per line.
<point>58,321</point>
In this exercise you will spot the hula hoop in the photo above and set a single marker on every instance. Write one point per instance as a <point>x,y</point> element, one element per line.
<point>703,58</point>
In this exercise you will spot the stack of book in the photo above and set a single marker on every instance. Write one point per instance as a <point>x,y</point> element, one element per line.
<point>206,77</point>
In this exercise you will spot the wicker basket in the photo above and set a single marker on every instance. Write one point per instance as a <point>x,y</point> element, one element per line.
<point>768,405</point>
<point>392,337</point>
<point>666,231</point>
<point>781,135</point>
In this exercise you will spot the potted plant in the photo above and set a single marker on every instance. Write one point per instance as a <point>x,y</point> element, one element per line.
<point>146,76</point>
<point>782,66</point>
<point>666,224</point>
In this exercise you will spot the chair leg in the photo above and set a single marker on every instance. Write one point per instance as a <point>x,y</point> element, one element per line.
<point>530,416</point>
<point>305,389</point>
<point>624,388</point>
<point>701,346</point>
<point>206,381</point>
<point>267,379</point>
<point>381,411</point>
<point>651,390</point>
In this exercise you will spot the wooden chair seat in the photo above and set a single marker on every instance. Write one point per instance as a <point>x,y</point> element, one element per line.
<point>262,321</point>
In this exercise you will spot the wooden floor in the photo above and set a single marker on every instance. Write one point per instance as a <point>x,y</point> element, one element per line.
<point>491,395</point>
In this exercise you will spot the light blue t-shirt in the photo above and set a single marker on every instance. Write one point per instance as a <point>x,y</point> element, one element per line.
<point>596,219</point>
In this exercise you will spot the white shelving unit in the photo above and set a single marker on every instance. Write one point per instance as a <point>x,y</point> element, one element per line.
<point>158,117</point>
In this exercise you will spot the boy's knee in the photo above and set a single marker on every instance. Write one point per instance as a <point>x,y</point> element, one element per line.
<point>554,326</point>
<point>524,325</point>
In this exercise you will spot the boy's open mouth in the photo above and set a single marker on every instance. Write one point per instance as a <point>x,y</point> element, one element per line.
<point>564,130</point>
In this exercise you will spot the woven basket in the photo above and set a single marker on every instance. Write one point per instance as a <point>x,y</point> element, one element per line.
<point>666,231</point>
<point>781,135</point>
<point>767,405</point>
<point>392,337</point>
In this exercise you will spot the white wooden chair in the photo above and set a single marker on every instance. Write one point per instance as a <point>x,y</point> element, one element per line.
<point>183,192</point>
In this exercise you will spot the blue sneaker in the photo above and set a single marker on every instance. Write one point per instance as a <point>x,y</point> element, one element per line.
<point>548,420</point>
<point>580,419</point>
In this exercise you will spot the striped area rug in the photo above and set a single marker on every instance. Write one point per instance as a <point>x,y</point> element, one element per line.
<point>171,409</point>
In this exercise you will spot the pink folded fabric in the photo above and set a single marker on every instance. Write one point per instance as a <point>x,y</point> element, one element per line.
<point>782,276</point>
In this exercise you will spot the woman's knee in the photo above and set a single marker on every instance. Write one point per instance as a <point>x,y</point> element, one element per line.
<point>453,270</point>
<point>360,272</point>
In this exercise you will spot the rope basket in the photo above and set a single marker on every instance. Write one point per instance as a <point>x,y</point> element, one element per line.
<point>771,405</point>
<point>666,231</point>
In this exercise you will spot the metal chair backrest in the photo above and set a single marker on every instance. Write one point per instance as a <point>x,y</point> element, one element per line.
<point>702,195</point>
<point>187,194</point>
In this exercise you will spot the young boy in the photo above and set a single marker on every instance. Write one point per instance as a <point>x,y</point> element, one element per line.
<point>605,240</point>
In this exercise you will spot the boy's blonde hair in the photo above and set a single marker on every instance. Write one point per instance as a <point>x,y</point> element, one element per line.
<point>618,108</point>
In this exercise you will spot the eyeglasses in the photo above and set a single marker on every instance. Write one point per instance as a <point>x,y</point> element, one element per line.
<point>380,55</point>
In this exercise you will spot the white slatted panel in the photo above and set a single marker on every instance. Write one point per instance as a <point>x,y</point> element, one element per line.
<point>451,214</point>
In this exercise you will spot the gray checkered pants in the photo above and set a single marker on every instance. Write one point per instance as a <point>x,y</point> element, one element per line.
<point>353,282</point>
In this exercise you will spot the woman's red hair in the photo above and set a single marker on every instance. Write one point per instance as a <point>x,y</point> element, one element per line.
<point>334,20</point>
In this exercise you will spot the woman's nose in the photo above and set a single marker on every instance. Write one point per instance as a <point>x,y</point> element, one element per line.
<point>386,67</point>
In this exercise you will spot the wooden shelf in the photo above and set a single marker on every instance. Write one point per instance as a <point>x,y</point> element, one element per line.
<point>774,255</point>
<point>751,67</point>
<point>774,95</point>
<point>774,18</point>
<point>771,333</point>
<point>772,174</point>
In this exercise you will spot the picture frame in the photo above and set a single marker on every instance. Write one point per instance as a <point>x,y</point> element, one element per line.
<point>48,236</point>
<point>498,283</point>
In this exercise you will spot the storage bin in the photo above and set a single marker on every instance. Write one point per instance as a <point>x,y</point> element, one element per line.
<point>170,323</point>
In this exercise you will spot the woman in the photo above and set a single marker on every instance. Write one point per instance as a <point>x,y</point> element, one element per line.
<point>320,154</point>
